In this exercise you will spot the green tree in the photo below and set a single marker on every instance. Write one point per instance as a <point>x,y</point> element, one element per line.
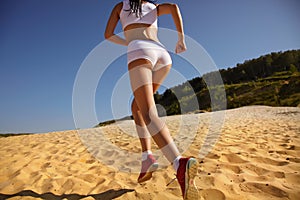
<point>268,60</point>
<point>157,97</point>
<point>293,69</point>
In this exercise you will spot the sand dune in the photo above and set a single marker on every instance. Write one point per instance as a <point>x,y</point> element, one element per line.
<point>255,155</point>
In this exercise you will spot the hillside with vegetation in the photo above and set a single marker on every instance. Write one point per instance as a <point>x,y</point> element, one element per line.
<point>272,80</point>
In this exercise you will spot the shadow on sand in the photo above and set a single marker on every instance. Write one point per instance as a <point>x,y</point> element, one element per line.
<point>108,195</point>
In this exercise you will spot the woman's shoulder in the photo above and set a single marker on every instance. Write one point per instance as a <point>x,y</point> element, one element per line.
<point>120,4</point>
<point>118,7</point>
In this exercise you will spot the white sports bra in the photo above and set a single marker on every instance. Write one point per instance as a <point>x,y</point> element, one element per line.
<point>149,15</point>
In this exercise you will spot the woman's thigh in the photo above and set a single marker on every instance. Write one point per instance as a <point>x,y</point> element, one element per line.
<point>159,76</point>
<point>140,73</point>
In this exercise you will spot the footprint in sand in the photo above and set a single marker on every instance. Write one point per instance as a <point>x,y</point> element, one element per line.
<point>46,185</point>
<point>212,194</point>
<point>232,158</point>
<point>257,170</point>
<point>263,188</point>
<point>46,165</point>
<point>68,185</point>
<point>109,153</point>
<point>279,174</point>
<point>270,161</point>
<point>233,168</point>
<point>212,156</point>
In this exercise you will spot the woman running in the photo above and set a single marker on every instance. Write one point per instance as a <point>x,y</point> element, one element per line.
<point>148,64</point>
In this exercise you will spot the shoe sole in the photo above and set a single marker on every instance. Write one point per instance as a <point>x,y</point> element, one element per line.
<point>148,174</point>
<point>191,191</point>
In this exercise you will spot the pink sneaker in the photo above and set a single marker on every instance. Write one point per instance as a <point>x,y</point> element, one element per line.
<point>148,167</point>
<point>186,173</point>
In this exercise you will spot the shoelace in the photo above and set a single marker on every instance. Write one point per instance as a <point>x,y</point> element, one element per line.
<point>171,181</point>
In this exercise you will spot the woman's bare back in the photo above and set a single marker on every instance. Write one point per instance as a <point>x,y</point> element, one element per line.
<point>140,32</point>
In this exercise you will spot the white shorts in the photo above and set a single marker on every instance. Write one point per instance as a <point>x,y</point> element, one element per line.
<point>151,50</point>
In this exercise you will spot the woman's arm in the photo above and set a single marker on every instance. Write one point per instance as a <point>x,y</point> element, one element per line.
<point>111,25</point>
<point>169,8</point>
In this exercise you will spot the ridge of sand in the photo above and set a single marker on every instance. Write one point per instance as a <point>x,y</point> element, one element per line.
<point>255,157</point>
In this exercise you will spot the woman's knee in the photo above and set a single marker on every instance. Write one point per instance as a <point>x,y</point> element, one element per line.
<point>150,115</point>
<point>154,123</point>
<point>145,113</point>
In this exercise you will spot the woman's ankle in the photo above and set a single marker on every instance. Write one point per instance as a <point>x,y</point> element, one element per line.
<point>145,154</point>
<point>176,163</point>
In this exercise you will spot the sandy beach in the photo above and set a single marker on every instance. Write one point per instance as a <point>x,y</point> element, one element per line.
<point>254,154</point>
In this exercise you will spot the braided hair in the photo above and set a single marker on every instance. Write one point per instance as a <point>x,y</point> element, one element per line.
<point>136,7</point>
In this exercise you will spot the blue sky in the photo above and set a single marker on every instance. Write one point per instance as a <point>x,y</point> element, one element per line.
<point>44,42</point>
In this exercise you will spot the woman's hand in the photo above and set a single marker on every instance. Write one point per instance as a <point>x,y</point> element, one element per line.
<point>180,46</point>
